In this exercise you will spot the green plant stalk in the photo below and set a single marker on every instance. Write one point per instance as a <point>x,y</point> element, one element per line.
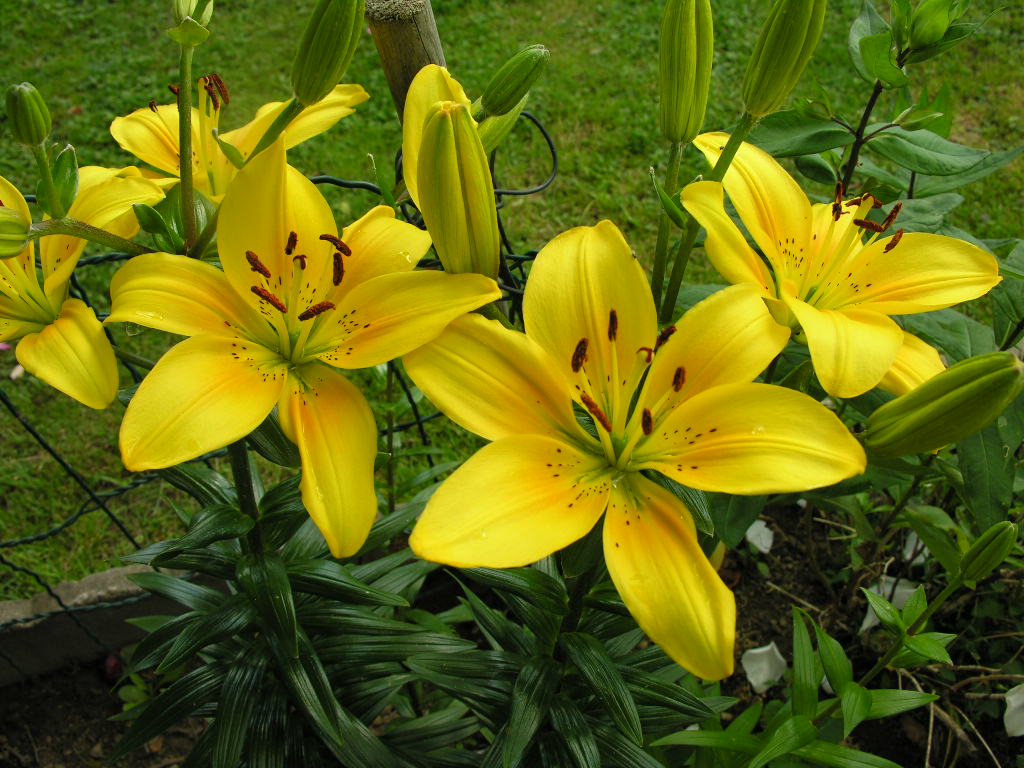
<point>188,212</point>
<point>289,113</point>
<point>664,225</point>
<point>43,164</point>
<point>858,136</point>
<point>895,648</point>
<point>134,359</point>
<point>76,228</point>
<point>745,125</point>
<point>204,237</point>
<point>242,473</point>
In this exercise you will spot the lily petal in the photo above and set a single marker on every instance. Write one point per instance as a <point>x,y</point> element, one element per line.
<point>851,348</point>
<point>493,381</point>
<point>727,338</point>
<point>773,207</point>
<point>152,136</point>
<point>329,420</point>
<point>179,295</point>
<point>390,315</point>
<point>725,245</point>
<point>380,245</point>
<point>580,280</point>
<point>206,392</point>
<point>431,85</point>
<point>73,354</point>
<point>650,546</point>
<point>11,197</point>
<point>750,439</point>
<point>915,363</point>
<point>485,514</point>
<point>921,273</point>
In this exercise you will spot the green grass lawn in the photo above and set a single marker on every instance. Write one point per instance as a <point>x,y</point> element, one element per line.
<point>94,60</point>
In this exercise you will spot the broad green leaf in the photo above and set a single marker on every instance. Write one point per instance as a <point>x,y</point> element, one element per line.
<point>877,55</point>
<point>856,703</point>
<point>570,724</point>
<point>695,500</point>
<point>955,35</point>
<point>618,750</point>
<point>734,514</point>
<point>652,691</point>
<point>789,133</point>
<point>867,23</point>
<point>530,583</point>
<point>953,332</point>
<point>889,702</point>
<point>924,151</point>
<point>838,668</point>
<point>238,697</point>
<point>1008,299</point>
<point>926,214</point>
<point>818,169</point>
<point>884,610</point>
<point>502,633</point>
<point>329,578</point>
<point>745,722</point>
<point>264,578</point>
<point>268,439</point>
<point>531,694</point>
<point>805,681</point>
<point>837,756</point>
<point>934,185</point>
<point>988,469</point>
<point>194,596</point>
<point>592,661</point>
<point>356,650</point>
<point>735,742</point>
<point>792,734</point>
<point>927,647</point>
<point>208,525</point>
<point>265,748</point>
<point>203,484</point>
<point>233,615</point>
<point>915,606</point>
<point>189,33</point>
<point>447,727</point>
<point>938,541</point>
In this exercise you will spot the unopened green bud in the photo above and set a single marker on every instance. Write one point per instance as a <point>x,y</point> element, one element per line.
<point>685,51</point>
<point>988,551</point>
<point>27,115</point>
<point>456,193</point>
<point>513,80</point>
<point>327,46</point>
<point>788,38</point>
<point>930,21</point>
<point>198,10</point>
<point>494,128</point>
<point>951,405</point>
<point>14,230</point>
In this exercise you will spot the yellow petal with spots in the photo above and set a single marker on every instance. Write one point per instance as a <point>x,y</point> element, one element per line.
<point>514,502</point>
<point>650,546</point>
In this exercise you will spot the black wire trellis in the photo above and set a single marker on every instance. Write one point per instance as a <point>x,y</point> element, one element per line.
<point>512,276</point>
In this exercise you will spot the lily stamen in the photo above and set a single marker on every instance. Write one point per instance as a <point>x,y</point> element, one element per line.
<point>315,310</point>
<point>663,336</point>
<point>339,269</point>
<point>579,355</point>
<point>596,412</point>
<point>613,325</point>
<point>896,236</point>
<point>256,265</point>
<point>270,298</point>
<point>293,240</point>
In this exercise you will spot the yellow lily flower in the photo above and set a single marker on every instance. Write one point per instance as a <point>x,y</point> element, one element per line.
<point>61,340</point>
<point>151,133</point>
<point>294,303</point>
<point>592,339</point>
<point>823,281</point>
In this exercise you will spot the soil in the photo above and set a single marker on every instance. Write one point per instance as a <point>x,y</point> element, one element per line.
<point>61,721</point>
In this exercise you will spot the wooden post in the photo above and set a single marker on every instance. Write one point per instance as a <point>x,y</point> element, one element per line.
<point>406,38</point>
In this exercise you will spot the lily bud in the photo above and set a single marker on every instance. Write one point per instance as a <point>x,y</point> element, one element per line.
<point>988,551</point>
<point>456,194</point>
<point>14,230</point>
<point>951,405</point>
<point>197,10</point>
<point>327,46</point>
<point>27,115</point>
<point>513,80</point>
<point>930,21</point>
<point>685,51</point>
<point>788,38</point>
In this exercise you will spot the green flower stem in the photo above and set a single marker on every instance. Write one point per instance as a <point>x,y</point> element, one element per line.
<point>76,228</point>
<point>895,648</point>
<point>188,211</point>
<point>43,164</point>
<point>242,473</point>
<point>858,136</point>
<point>134,359</point>
<point>745,125</point>
<point>204,238</point>
<point>290,112</point>
<point>664,225</point>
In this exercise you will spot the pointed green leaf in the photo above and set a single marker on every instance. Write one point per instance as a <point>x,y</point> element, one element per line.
<point>889,702</point>
<point>914,606</point>
<point>884,610</point>
<point>792,734</point>
<point>617,749</point>
<point>531,694</point>
<point>790,133</point>
<point>805,681</point>
<point>205,485</point>
<point>591,659</point>
<point>672,209</point>
<point>867,23</point>
<point>928,647</point>
<point>233,615</point>
<point>331,579</point>
<point>194,596</point>
<point>877,54</point>
<point>838,668</point>
<point>570,724</point>
<point>856,704</point>
<point>837,756</point>
<point>239,695</point>
<point>264,578</point>
<point>925,152</point>
<point>208,525</point>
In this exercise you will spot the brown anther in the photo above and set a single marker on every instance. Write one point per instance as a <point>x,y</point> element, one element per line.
<point>579,355</point>
<point>315,310</point>
<point>837,211</point>
<point>893,242</point>
<point>175,89</point>
<point>218,83</point>
<point>891,216</point>
<point>647,421</point>
<point>648,353</point>
<point>256,265</point>
<point>301,258</point>
<point>839,192</point>
<point>339,269</point>
<point>854,202</point>
<point>338,243</point>
<point>665,335</point>
<point>678,378</point>
<point>870,226</point>
<point>293,240</point>
<point>152,105</point>
<point>613,325</point>
<point>270,298</point>
<point>875,202</point>
<point>211,92</point>
<point>596,412</point>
